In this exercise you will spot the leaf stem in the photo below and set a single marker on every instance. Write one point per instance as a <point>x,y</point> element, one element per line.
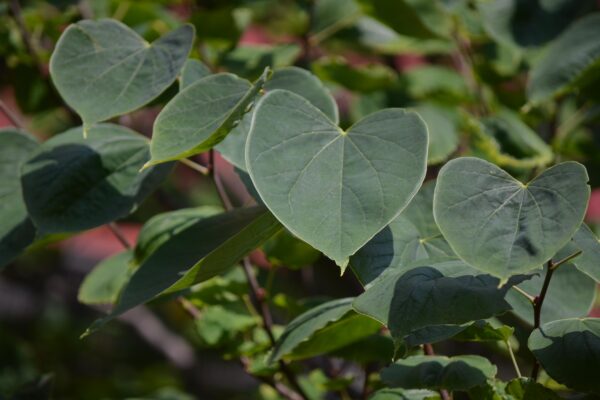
<point>525,294</point>
<point>118,233</point>
<point>566,259</point>
<point>10,115</point>
<point>513,359</point>
<point>195,166</point>
<point>428,349</point>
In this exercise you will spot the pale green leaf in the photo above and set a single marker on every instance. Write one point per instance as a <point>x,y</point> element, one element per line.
<point>103,68</point>
<point>334,189</point>
<point>443,131</point>
<point>404,394</point>
<point>104,283</point>
<point>502,226</point>
<point>192,71</point>
<point>588,261</point>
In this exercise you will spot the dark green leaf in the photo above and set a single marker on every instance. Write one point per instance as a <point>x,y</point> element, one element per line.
<point>364,78</point>
<point>502,226</point>
<point>526,389</point>
<point>104,69</point>
<point>72,183</point>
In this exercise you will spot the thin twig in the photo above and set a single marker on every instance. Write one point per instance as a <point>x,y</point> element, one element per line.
<point>525,294</point>
<point>10,115</point>
<point>114,228</point>
<point>566,259</point>
<point>195,166</point>
<point>513,359</point>
<point>428,349</point>
<point>537,311</point>
<point>257,293</point>
<point>189,307</point>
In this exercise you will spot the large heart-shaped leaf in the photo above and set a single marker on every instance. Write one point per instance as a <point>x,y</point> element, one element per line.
<point>411,236</point>
<point>571,294</point>
<point>103,68</point>
<point>327,327</point>
<point>194,254</point>
<point>569,351</point>
<point>568,61</point>
<point>334,189</point>
<point>294,79</point>
<point>16,230</point>
<point>201,115</point>
<point>502,226</point>
<point>72,183</point>
<point>438,372</point>
<point>431,294</point>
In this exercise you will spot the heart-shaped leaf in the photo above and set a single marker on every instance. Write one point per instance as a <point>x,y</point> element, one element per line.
<point>294,79</point>
<point>334,189</point>
<point>185,255</point>
<point>568,61</point>
<point>431,294</point>
<point>192,71</point>
<point>103,68</point>
<point>502,226</point>
<point>16,230</point>
<point>72,183</point>
<point>569,351</point>
<point>411,236</point>
<point>438,372</point>
<point>201,115</point>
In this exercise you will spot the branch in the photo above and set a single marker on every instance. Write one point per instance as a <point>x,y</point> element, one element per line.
<point>537,311</point>
<point>428,349</point>
<point>118,233</point>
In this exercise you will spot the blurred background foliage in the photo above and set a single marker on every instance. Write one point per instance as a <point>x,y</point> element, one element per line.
<point>463,64</point>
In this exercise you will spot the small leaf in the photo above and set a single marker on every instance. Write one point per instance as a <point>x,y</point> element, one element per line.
<point>294,79</point>
<point>571,294</point>
<point>364,78</point>
<point>195,254</point>
<point>404,394</point>
<point>193,70</point>
<point>201,115</point>
<point>567,61</point>
<point>16,230</point>
<point>501,226</point>
<point>334,189</point>
<point>415,297</point>
<point>218,322</point>
<point>72,183</point>
<point>250,61</point>
<point>526,389</point>
<point>569,351</point>
<point>330,16</point>
<point>413,235</point>
<point>303,327</point>
<point>458,373</point>
<point>104,283</point>
<point>104,69</point>
<point>485,331</point>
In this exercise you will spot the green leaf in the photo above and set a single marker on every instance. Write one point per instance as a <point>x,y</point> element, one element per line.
<point>195,254</point>
<point>250,61</point>
<point>104,283</point>
<point>433,334</point>
<point>435,82</point>
<point>374,348</point>
<point>364,78</point>
<point>403,394</point>
<point>485,331</point>
<point>303,327</point>
<point>437,372</point>
<point>218,322</point>
<point>193,70</point>
<point>588,261</point>
<point>508,142</point>
<point>334,189</point>
<point>571,294</point>
<point>161,228</point>
<point>103,69</point>
<point>526,389</point>
<point>285,249</point>
<point>201,115</point>
<point>443,131</point>
<point>569,351</point>
<point>72,183</point>
<point>501,226</point>
<point>294,79</point>
<point>16,230</point>
<point>329,16</point>
<point>431,294</point>
<point>412,235</point>
<point>575,54</point>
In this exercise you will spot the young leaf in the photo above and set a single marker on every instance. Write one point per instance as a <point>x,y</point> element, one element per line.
<point>195,254</point>
<point>568,60</point>
<point>501,226</point>
<point>193,70</point>
<point>404,394</point>
<point>431,294</point>
<point>437,372</point>
<point>571,294</point>
<point>294,79</point>
<point>72,183</point>
<point>104,283</point>
<point>412,235</point>
<point>201,115</point>
<point>16,230</point>
<point>569,351</point>
<point>334,189</point>
<point>103,68</point>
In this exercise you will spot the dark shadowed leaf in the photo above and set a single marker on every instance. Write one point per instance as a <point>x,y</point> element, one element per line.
<point>72,183</point>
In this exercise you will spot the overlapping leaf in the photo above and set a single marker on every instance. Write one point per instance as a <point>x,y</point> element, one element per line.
<point>334,189</point>
<point>104,283</point>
